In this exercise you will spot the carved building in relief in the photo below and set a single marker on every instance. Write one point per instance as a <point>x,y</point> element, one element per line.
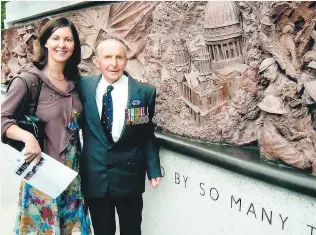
<point>182,61</point>
<point>222,33</point>
<point>199,98</point>
<point>218,49</point>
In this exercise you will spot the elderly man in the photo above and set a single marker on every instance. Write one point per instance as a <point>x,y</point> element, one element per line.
<point>119,142</point>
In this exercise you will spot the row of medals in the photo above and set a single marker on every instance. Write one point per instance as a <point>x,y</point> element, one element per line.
<point>135,116</point>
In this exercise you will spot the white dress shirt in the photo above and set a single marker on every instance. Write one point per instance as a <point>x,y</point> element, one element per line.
<point>119,98</point>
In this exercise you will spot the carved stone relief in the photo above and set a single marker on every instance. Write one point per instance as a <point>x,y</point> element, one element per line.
<point>5,56</point>
<point>18,49</point>
<point>231,72</point>
<point>127,21</point>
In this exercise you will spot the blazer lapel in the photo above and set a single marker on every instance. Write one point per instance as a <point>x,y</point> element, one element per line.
<point>92,112</point>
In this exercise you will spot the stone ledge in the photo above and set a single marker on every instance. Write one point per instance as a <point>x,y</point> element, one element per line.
<point>245,161</point>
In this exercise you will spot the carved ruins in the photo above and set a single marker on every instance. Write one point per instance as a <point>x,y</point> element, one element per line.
<point>242,73</point>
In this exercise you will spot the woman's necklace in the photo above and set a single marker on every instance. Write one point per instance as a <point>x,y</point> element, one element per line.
<point>54,77</point>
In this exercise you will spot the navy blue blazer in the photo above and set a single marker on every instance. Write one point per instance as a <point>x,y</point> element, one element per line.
<point>117,169</point>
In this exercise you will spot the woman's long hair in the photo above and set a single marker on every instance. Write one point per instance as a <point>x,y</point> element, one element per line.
<point>41,56</point>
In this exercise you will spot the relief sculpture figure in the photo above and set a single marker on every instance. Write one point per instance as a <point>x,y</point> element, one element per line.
<point>309,99</point>
<point>285,130</point>
<point>5,56</point>
<point>29,41</point>
<point>271,45</point>
<point>288,42</point>
<point>20,53</point>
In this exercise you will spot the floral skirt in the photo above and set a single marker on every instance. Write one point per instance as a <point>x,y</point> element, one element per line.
<point>39,214</point>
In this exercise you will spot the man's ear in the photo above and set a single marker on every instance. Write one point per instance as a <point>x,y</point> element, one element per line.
<point>95,61</point>
<point>126,61</point>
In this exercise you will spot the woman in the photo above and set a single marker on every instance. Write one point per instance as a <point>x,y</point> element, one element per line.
<point>59,107</point>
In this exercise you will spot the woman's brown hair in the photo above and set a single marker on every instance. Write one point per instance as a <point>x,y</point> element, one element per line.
<point>41,56</point>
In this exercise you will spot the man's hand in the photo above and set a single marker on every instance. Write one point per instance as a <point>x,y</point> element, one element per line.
<point>154,182</point>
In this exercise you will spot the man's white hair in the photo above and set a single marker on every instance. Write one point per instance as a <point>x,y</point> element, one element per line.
<point>112,38</point>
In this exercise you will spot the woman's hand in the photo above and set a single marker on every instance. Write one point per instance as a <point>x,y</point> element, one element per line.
<point>32,149</point>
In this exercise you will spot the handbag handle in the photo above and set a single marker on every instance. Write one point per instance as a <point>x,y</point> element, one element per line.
<point>26,95</point>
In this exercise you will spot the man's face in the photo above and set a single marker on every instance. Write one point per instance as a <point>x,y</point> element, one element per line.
<point>271,73</point>
<point>111,59</point>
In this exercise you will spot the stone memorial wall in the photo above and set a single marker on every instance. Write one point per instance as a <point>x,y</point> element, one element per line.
<point>197,198</point>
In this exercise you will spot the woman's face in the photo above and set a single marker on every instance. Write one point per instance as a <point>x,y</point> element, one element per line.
<point>60,45</point>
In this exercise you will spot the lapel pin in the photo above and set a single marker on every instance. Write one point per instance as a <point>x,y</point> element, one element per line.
<point>135,102</point>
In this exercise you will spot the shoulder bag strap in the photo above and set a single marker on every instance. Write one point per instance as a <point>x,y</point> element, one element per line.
<point>38,92</point>
<point>24,101</point>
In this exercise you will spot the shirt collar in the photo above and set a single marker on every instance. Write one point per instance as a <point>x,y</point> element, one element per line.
<point>117,85</point>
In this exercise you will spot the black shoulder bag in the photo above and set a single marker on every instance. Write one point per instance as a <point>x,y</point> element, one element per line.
<point>27,120</point>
